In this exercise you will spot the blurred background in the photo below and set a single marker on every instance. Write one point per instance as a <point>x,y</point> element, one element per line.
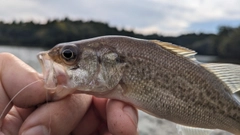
<point>212,28</point>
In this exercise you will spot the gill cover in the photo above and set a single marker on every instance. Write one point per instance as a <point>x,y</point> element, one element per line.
<point>112,67</point>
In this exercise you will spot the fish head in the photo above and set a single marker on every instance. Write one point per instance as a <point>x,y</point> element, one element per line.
<point>81,67</point>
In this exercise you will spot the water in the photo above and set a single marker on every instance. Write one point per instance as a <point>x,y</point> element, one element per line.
<point>147,124</point>
<point>28,55</point>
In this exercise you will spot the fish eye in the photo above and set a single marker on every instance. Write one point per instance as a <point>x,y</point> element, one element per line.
<point>68,54</point>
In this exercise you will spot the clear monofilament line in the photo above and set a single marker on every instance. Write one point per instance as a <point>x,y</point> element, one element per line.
<point>16,96</point>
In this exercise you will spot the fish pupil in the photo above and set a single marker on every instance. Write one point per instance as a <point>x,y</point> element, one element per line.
<point>67,54</point>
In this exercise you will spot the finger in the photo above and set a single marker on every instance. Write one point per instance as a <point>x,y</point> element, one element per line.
<point>15,75</point>
<point>121,118</point>
<point>100,106</point>
<point>103,129</point>
<point>24,113</point>
<point>4,100</point>
<point>95,116</point>
<point>57,118</point>
<point>89,124</point>
<point>14,119</point>
<point>11,123</point>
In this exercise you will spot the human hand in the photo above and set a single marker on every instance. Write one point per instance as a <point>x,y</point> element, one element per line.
<point>76,114</point>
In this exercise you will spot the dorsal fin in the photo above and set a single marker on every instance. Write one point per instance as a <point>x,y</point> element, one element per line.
<point>228,73</point>
<point>185,52</point>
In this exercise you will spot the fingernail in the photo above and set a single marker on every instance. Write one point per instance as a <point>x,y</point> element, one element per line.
<point>132,113</point>
<point>37,130</point>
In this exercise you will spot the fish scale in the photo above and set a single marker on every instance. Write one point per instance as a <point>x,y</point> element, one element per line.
<point>181,67</point>
<point>145,99</point>
<point>159,78</point>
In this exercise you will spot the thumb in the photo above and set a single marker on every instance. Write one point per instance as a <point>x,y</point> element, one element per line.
<point>122,118</point>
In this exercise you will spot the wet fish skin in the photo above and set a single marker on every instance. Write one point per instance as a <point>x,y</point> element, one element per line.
<point>154,79</point>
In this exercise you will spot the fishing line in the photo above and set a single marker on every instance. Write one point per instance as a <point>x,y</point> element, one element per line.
<point>17,95</point>
<point>49,112</point>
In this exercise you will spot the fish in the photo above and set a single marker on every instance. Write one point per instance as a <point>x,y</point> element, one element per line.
<point>159,78</point>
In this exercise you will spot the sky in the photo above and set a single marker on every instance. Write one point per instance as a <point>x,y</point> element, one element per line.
<point>165,17</point>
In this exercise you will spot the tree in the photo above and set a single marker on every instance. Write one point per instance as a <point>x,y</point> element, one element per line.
<point>230,44</point>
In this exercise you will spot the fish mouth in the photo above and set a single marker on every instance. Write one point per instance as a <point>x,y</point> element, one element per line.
<point>54,74</point>
<point>55,77</point>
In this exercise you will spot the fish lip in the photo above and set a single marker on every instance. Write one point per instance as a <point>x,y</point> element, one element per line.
<point>48,70</point>
<point>54,74</point>
<point>41,57</point>
<point>55,77</point>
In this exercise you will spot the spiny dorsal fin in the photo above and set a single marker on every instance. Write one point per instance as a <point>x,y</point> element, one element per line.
<point>228,73</point>
<point>177,49</point>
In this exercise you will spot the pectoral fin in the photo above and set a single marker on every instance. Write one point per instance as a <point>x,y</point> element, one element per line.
<point>185,130</point>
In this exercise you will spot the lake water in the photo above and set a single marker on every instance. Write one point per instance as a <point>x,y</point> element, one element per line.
<point>148,125</point>
<point>28,55</point>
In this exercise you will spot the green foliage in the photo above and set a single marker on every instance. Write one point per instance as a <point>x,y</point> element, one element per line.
<point>54,32</point>
<point>229,45</point>
<point>225,44</point>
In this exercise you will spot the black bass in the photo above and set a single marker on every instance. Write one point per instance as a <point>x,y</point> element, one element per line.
<point>159,78</point>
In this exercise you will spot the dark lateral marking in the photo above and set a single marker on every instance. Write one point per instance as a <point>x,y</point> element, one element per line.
<point>99,59</point>
<point>127,66</point>
<point>121,59</point>
<point>124,86</point>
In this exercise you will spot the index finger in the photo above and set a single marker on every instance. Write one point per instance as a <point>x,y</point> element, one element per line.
<point>15,75</point>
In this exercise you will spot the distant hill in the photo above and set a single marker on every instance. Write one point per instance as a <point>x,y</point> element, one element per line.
<point>224,44</point>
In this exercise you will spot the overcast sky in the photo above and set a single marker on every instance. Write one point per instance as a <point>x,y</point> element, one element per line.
<point>167,17</point>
